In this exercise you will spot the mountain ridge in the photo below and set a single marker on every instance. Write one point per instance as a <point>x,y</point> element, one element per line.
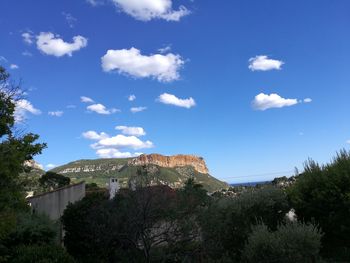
<point>170,170</point>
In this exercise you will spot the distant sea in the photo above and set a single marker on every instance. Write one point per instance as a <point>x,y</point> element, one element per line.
<point>250,183</point>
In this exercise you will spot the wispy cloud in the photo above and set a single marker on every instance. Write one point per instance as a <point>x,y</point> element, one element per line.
<point>132,98</point>
<point>137,109</point>
<point>86,99</point>
<point>14,66</point>
<point>71,20</point>
<point>55,113</point>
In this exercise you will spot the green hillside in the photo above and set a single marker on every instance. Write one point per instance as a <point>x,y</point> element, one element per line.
<point>100,170</point>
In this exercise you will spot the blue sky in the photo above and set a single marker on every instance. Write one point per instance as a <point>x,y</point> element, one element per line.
<point>255,87</point>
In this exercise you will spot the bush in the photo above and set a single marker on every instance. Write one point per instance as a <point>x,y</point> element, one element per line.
<point>41,254</point>
<point>321,194</point>
<point>290,243</point>
<point>32,229</point>
<point>227,222</point>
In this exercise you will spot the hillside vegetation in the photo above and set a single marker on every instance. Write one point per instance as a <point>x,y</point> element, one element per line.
<point>100,170</point>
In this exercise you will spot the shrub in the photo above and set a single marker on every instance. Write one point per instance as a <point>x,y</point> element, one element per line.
<point>322,194</point>
<point>41,254</point>
<point>32,229</point>
<point>290,243</point>
<point>227,222</point>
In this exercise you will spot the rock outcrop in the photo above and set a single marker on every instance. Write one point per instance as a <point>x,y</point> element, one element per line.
<point>180,160</point>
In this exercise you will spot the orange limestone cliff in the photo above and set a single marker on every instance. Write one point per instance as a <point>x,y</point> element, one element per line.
<point>180,160</point>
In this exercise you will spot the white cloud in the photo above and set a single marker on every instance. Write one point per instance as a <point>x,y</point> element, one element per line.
<point>114,153</point>
<point>111,147</point>
<point>50,44</point>
<point>101,109</point>
<point>51,166</point>
<point>348,141</point>
<point>132,98</point>
<point>86,99</point>
<point>164,49</point>
<point>307,100</point>
<point>135,131</point>
<point>55,113</point>
<point>263,101</point>
<point>263,63</point>
<point>167,98</point>
<point>22,108</point>
<point>2,58</point>
<point>146,10</point>
<point>92,135</point>
<point>71,106</point>
<point>121,141</point>
<point>137,109</point>
<point>27,54</point>
<point>14,66</point>
<point>95,2</point>
<point>28,37</point>
<point>131,62</point>
<point>70,19</point>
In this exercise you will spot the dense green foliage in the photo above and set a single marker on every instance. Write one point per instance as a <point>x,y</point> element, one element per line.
<point>227,222</point>
<point>135,223</point>
<point>290,243</point>
<point>41,254</point>
<point>17,226</point>
<point>322,195</point>
<point>51,180</point>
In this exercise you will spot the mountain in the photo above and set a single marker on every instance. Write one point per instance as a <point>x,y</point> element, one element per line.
<point>169,170</point>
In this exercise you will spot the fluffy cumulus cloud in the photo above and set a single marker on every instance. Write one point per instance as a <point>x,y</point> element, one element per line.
<point>263,63</point>
<point>92,135</point>
<point>307,100</point>
<point>114,146</point>
<point>171,99</point>
<point>114,153</point>
<point>163,67</point>
<point>86,99</point>
<point>146,10</point>
<point>121,141</point>
<point>101,109</point>
<point>137,109</point>
<point>55,113</point>
<point>135,131</point>
<point>53,45</point>
<point>264,101</point>
<point>22,108</point>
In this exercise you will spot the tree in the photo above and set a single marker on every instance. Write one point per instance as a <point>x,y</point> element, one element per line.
<point>51,180</point>
<point>321,194</point>
<point>290,243</point>
<point>228,221</point>
<point>14,151</point>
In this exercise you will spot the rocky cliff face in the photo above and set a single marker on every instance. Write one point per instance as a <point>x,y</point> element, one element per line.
<point>180,160</point>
